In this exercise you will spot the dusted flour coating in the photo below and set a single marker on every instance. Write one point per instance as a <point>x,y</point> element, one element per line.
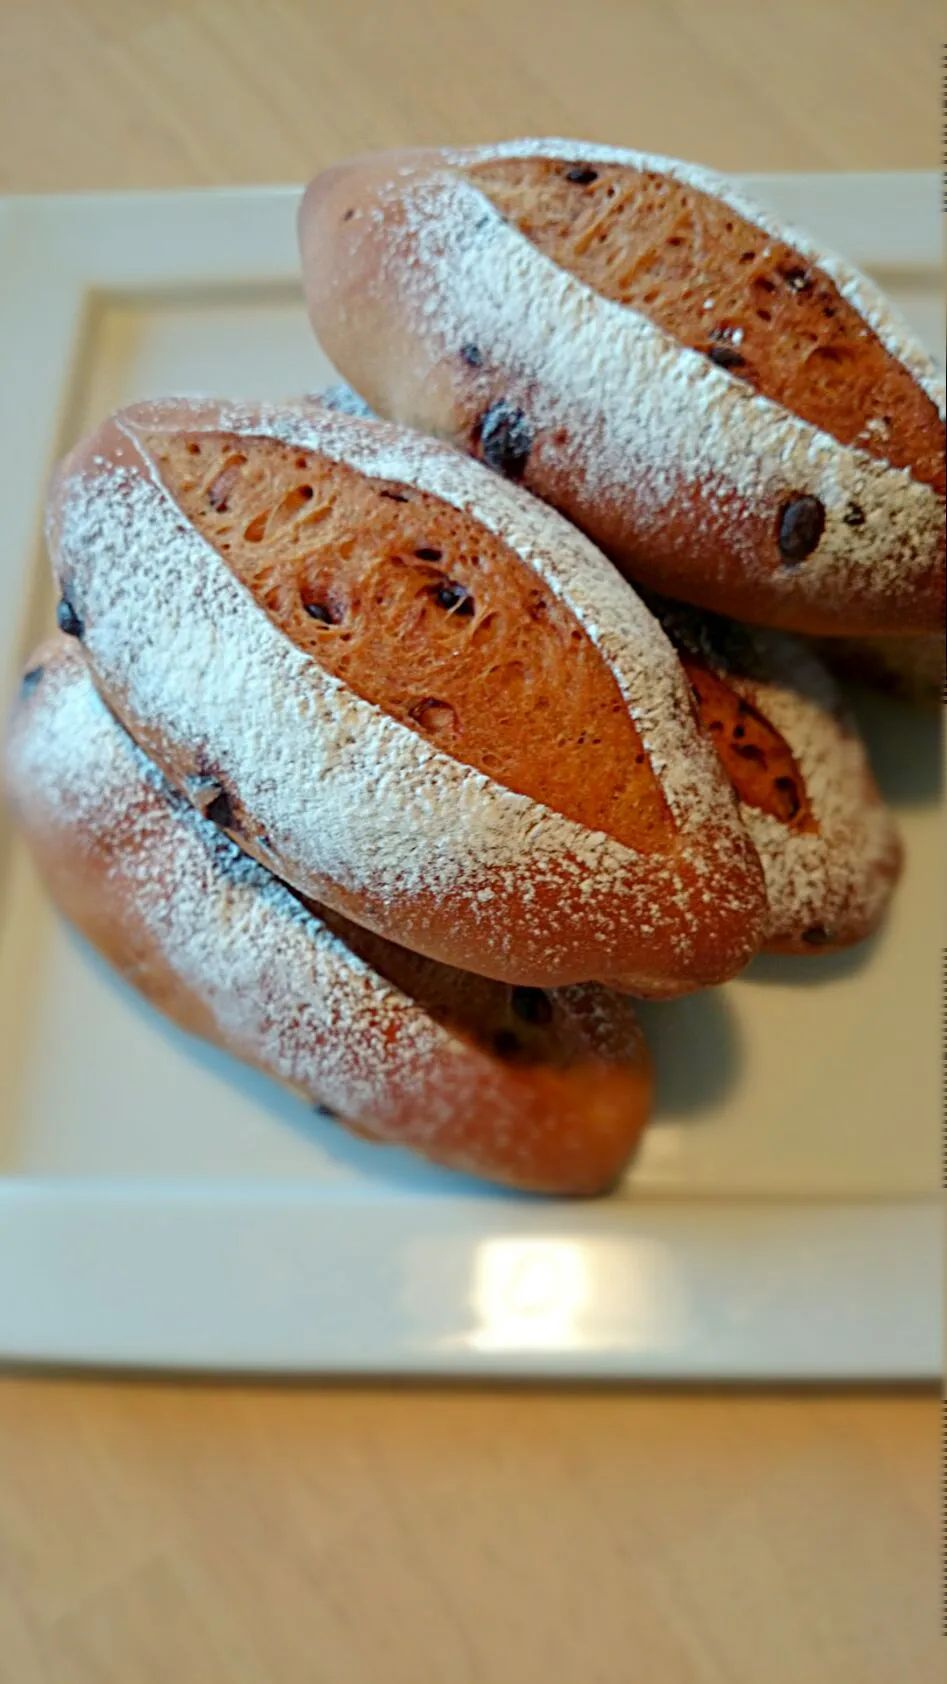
<point>349,805</point>
<point>695,483</point>
<point>833,855</point>
<point>865,297</point>
<point>553,1101</point>
<point>382,586</point>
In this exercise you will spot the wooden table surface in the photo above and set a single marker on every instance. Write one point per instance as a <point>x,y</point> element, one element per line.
<point>158,1533</point>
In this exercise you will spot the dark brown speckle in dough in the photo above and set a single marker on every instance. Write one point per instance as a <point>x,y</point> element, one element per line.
<point>801,525</point>
<point>455,598</point>
<point>817,936</point>
<point>726,356</point>
<point>506,439</point>
<point>318,611</point>
<point>67,619</point>
<point>220,811</point>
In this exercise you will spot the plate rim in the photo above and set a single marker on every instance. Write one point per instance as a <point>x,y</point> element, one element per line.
<point>59,254</point>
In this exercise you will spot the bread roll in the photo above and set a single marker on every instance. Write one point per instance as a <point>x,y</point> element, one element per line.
<point>411,690</point>
<point>543,1092</point>
<point>738,417</point>
<point>829,846</point>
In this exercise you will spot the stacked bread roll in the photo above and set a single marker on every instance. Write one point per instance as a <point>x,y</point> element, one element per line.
<point>358,750</point>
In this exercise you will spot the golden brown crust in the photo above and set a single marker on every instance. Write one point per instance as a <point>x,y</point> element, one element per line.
<point>829,846</point>
<point>712,279</point>
<point>544,1092</point>
<point>697,484</point>
<point>756,757</point>
<point>347,804</point>
<point>422,612</point>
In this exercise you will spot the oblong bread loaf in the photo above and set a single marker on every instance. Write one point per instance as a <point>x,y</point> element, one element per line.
<point>409,688</point>
<point>547,1092</point>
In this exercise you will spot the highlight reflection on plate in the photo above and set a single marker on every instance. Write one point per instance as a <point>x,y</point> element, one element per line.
<point>559,1294</point>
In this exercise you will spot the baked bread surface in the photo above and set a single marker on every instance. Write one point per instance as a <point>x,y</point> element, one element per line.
<point>411,690</point>
<point>829,846</point>
<point>737,416</point>
<point>547,1092</point>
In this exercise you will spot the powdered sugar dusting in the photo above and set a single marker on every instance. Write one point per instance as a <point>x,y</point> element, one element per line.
<point>609,611</point>
<point>342,799</point>
<point>861,292</point>
<point>568,354</point>
<point>839,879</point>
<point>283,991</point>
<point>176,899</point>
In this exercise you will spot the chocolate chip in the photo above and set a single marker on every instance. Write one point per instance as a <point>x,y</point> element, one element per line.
<point>434,716</point>
<point>219,811</point>
<point>393,496</point>
<point>428,554</point>
<point>798,280</point>
<point>472,355</point>
<point>854,515</point>
<point>455,598</point>
<point>532,1005</point>
<point>67,619</point>
<point>801,525</point>
<point>725,356</point>
<point>581,175</point>
<point>506,1043</point>
<point>817,936</point>
<point>322,615</point>
<point>506,439</point>
<point>211,800</point>
<point>348,216</point>
<point>30,680</point>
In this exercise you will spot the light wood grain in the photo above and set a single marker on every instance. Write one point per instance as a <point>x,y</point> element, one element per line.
<point>163,1534</point>
<point>206,1534</point>
<point>136,93</point>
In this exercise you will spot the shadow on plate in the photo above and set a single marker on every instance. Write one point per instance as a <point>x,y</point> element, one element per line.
<point>387,1165</point>
<point>802,970</point>
<point>695,1043</point>
<point>904,745</point>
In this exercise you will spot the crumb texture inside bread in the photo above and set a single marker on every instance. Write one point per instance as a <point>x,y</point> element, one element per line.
<point>756,758</point>
<point>721,286</point>
<point>427,615</point>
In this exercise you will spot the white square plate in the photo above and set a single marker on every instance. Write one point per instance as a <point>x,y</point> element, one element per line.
<point>158,1205</point>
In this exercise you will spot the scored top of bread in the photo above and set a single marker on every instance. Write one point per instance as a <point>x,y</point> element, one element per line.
<point>364,749</point>
<point>865,304</point>
<point>547,1092</point>
<point>829,845</point>
<point>766,438</point>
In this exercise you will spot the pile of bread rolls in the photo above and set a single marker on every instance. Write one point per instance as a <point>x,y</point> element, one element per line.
<point>395,755</point>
